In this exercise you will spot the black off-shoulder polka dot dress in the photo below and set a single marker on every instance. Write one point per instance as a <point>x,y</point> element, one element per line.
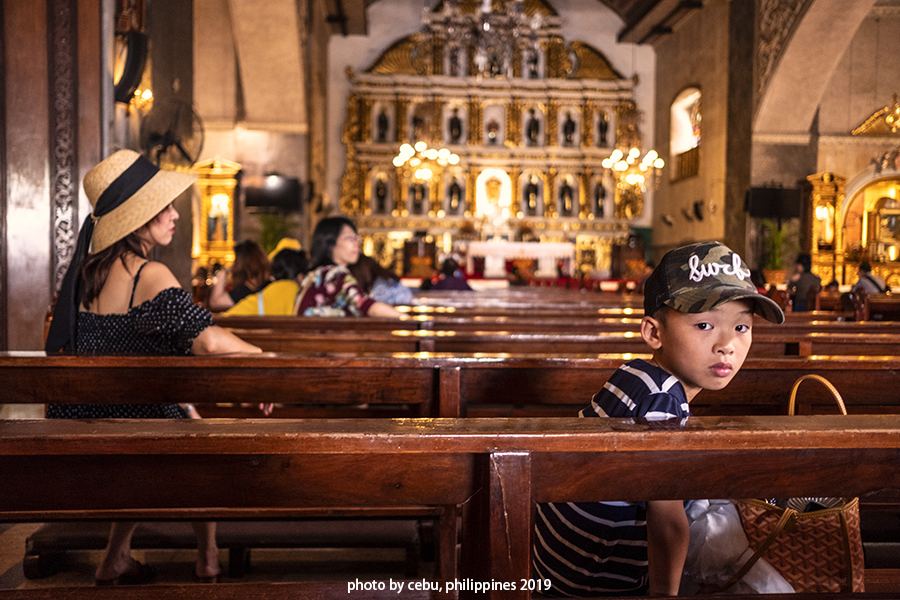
<point>165,325</point>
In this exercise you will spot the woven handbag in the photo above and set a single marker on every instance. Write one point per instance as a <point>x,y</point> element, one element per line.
<point>817,551</point>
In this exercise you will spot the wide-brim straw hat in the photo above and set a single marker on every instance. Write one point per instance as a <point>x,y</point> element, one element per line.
<point>139,208</point>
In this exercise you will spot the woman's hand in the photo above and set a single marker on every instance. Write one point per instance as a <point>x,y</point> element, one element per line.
<point>191,411</point>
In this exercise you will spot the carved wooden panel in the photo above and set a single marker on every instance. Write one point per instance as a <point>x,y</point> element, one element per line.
<point>62,56</point>
<point>777,21</point>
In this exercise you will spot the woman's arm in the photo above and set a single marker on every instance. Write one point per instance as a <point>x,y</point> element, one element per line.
<point>219,299</point>
<point>215,340</point>
<point>380,309</point>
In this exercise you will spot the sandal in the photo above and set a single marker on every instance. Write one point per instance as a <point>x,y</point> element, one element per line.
<point>208,578</point>
<point>137,574</point>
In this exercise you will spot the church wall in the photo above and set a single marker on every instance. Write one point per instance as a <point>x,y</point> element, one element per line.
<point>864,81</point>
<point>694,55</point>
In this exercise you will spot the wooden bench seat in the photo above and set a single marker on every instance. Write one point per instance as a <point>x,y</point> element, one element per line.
<point>498,468</point>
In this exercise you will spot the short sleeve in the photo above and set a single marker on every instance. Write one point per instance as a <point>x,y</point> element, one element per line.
<point>351,297</point>
<point>172,320</point>
<point>662,406</point>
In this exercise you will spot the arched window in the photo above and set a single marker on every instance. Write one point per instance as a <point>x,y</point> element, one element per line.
<point>685,134</point>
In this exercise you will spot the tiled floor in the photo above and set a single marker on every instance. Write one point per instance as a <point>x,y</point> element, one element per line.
<point>175,566</point>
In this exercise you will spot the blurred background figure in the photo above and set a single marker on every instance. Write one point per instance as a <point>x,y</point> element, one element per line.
<point>329,289</point>
<point>803,283</point>
<point>759,280</point>
<point>279,297</point>
<point>869,282</point>
<point>249,274</point>
<point>382,285</point>
<point>450,277</point>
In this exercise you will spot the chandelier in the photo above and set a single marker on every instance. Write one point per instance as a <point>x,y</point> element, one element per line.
<point>632,173</point>
<point>494,30</point>
<point>424,162</point>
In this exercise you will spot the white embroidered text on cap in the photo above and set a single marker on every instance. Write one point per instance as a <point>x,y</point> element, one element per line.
<point>698,271</point>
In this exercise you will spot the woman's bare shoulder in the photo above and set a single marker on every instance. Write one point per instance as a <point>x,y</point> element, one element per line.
<point>155,277</point>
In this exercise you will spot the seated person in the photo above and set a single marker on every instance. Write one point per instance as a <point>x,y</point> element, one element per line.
<point>382,285</point>
<point>869,282</point>
<point>803,283</point>
<point>450,277</point>
<point>329,289</point>
<point>279,297</point>
<point>698,305</point>
<point>249,273</point>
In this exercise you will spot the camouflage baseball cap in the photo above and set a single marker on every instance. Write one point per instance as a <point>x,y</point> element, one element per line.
<point>700,277</point>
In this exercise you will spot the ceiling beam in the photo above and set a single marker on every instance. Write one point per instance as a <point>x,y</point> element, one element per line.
<point>657,20</point>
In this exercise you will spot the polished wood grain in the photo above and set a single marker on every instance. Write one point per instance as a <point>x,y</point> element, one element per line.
<point>496,467</point>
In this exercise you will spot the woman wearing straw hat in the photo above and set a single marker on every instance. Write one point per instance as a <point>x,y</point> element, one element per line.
<point>114,301</point>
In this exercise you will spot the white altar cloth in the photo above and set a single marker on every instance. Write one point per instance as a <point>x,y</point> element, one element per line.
<point>497,253</point>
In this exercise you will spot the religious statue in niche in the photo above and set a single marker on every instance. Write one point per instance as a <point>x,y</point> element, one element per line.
<point>531,196</point>
<point>566,199</point>
<point>533,128</point>
<point>380,195</point>
<point>455,127</point>
<point>217,220</point>
<point>421,124</point>
<point>599,200</point>
<point>602,129</point>
<point>383,123</point>
<point>417,197</point>
<point>569,130</point>
<point>454,195</point>
<point>493,131</point>
<point>533,64</point>
<point>494,66</point>
<point>454,61</point>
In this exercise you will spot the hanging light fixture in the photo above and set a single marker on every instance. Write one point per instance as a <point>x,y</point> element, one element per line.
<point>424,162</point>
<point>493,29</point>
<point>632,172</point>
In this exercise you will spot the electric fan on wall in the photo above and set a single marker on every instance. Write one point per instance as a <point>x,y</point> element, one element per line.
<point>172,134</point>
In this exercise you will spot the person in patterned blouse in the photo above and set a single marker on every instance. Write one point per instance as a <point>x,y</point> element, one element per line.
<point>115,301</point>
<point>698,314</point>
<point>329,289</point>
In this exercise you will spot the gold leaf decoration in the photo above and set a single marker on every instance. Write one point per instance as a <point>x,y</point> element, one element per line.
<point>591,63</point>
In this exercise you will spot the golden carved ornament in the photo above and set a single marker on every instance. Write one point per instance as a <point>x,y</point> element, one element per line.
<point>410,55</point>
<point>883,122</point>
<point>551,132</point>
<point>352,124</point>
<point>558,63</point>
<point>476,122</point>
<point>550,196</point>
<point>532,7</point>
<point>591,63</point>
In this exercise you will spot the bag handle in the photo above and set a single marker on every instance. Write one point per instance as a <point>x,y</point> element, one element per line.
<point>788,513</point>
<point>786,516</point>
<point>823,381</point>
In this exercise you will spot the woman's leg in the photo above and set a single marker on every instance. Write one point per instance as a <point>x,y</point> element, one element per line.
<point>207,550</point>
<point>117,559</point>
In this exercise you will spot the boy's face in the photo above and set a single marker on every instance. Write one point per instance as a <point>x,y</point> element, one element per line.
<point>703,350</point>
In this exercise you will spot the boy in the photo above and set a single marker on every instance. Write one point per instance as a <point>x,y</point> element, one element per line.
<point>698,314</point>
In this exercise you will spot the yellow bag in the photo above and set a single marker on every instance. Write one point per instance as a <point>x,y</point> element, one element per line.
<point>817,551</point>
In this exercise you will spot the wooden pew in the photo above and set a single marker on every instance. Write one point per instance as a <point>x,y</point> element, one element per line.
<point>876,307</point>
<point>498,468</point>
<point>425,384</point>
<point>768,342</point>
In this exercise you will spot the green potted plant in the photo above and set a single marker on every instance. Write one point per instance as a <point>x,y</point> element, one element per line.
<point>778,242</point>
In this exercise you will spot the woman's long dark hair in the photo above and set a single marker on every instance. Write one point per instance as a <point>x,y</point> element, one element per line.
<point>324,238</point>
<point>95,268</point>
<point>250,265</point>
